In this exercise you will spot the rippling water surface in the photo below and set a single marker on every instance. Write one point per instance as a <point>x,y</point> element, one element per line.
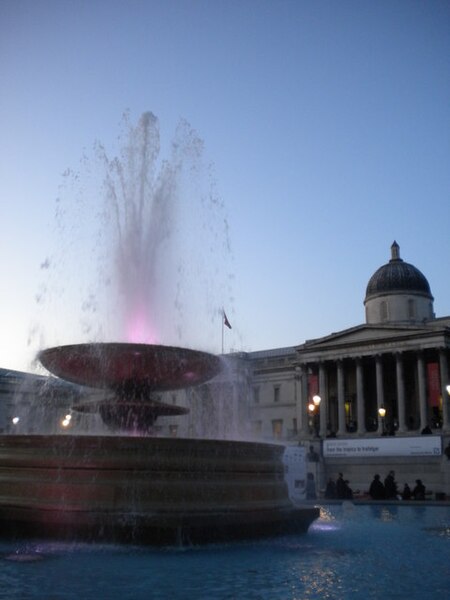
<point>355,552</point>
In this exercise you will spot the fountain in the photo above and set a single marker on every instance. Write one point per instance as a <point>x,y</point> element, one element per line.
<point>141,488</point>
<point>130,485</point>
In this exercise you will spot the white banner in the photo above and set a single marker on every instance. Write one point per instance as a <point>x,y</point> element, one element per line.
<point>425,445</point>
<point>295,471</point>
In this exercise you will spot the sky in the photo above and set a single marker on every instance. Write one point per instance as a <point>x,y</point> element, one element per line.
<point>326,125</point>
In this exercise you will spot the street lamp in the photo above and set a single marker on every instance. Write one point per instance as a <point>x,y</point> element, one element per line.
<point>316,400</point>
<point>382,413</point>
<point>66,421</point>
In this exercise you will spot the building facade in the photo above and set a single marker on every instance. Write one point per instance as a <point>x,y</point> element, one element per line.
<point>398,361</point>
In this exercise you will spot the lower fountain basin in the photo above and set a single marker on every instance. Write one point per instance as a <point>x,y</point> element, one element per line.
<point>144,490</point>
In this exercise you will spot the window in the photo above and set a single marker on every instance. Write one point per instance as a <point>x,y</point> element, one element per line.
<point>276,393</point>
<point>256,395</point>
<point>173,430</point>
<point>277,429</point>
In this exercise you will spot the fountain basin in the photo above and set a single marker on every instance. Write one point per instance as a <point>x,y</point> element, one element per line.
<point>131,369</point>
<point>146,490</point>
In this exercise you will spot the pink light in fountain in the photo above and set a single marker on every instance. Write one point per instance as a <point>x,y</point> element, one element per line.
<point>139,329</point>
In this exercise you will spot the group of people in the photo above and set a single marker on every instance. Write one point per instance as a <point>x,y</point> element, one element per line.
<point>379,490</point>
<point>389,489</point>
<point>339,489</point>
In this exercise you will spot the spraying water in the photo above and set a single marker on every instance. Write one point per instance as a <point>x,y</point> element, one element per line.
<point>143,253</point>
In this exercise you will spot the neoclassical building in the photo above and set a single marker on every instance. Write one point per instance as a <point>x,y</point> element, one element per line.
<point>398,360</point>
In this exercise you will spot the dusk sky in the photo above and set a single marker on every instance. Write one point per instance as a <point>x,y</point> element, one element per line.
<point>326,124</point>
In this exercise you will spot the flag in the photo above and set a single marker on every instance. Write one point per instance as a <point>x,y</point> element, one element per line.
<point>226,322</point>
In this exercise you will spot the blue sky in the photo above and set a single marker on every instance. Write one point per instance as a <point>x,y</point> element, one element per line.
<point>327,124</point>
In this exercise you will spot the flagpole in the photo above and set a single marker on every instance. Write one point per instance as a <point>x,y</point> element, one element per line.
<point>223,325</point>
<point>226,322</point>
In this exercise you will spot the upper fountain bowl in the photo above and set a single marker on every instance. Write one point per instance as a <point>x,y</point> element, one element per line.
<point>118,366</point>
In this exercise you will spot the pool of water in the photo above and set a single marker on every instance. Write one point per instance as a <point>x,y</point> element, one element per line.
<point>350,552</point>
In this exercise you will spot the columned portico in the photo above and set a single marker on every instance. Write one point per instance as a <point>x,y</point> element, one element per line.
<point>353,388</point>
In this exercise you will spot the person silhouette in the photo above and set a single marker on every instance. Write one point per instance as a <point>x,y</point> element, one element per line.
<point>406,494</point>
<point>376,490</point>
<point>447,451</point>
<point>390,486</point>
<point>310,487</point>
<point>418,492</point>
<point>330,490</point>
<point>340,487</point>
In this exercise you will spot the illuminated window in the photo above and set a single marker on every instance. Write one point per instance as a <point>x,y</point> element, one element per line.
<point>277,429</point>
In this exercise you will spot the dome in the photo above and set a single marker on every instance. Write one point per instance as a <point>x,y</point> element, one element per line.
<point>398,276</point>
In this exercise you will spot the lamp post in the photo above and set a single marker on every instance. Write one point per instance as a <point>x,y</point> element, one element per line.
<point>316,411</point>
<point>382,413</point>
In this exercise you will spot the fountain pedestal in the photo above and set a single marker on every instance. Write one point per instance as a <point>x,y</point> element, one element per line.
<point>144,490</point>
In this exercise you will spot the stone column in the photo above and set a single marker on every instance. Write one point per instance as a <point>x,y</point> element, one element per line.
<point>303,401</point>
<point>380,389</point>
<point>323,393</point>
<point>443,369</point>
<point>360,400</point>
<point>400,392</point>
<point>298,398</point>
<point>422,391</point>
<point>341,398</point>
